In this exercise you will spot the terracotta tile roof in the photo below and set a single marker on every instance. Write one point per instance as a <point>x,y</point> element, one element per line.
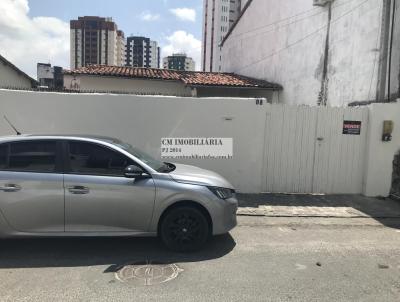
<point>190,78</point>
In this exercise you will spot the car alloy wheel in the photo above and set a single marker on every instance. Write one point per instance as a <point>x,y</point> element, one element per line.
<point>184,229</point>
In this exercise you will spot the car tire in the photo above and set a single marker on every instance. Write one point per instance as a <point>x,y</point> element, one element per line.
<point>184,229</point>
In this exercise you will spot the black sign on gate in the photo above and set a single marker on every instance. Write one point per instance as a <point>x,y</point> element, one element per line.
<point>352,127</point>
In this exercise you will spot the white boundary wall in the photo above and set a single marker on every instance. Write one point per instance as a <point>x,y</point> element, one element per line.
<point>380,155</point>
<point>363,164</point>
<point>143,120</point>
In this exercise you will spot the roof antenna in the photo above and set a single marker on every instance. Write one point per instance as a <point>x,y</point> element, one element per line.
<point>12,126</point>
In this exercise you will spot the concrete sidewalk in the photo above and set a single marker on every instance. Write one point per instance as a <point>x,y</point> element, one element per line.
<point>299,205</point>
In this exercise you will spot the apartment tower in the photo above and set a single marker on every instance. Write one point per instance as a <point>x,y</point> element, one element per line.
<point>179,61</point>
<point>142,52</point>
<point>96,40</point>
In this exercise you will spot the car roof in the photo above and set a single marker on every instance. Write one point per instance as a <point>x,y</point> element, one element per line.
<point>105,139</point>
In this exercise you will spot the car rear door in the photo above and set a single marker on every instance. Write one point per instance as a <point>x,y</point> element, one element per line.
<point>31,186</point>
<point>98,198</point>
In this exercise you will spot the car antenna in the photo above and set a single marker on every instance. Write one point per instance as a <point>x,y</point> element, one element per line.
<point>12,126</point>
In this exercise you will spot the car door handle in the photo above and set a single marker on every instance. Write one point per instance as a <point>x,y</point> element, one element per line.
<point>10,188</point>
<point>78,190</point>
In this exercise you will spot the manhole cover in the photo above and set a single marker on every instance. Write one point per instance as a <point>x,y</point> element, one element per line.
<point>149,273</point>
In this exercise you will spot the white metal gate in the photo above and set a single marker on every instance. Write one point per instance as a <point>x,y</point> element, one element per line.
<point>307,152</point>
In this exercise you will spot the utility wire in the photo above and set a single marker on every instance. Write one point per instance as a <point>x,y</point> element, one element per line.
<point>280,21</point>
<point>304,38</point>
<point>288,18</point>
<point>294,22</point>
<point>281,26</point>
<point>273,23</point>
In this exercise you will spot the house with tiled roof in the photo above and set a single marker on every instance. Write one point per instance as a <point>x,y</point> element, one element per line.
<point>116,79</point>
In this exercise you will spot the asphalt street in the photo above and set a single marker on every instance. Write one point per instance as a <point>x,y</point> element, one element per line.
<point>263,259</point>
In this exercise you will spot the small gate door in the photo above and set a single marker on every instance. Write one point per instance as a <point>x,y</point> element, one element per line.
<point>307,151</point>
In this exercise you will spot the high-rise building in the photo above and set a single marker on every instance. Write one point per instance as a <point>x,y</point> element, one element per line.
<point>179,61</point>
<point>219,16</point>
<point>121,59</point>
<point>142,52</point>
<point>96,40</point>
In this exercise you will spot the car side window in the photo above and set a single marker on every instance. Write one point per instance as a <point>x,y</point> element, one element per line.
<point>3,156</point>
<point>32,156</point>
<point>93,159</point>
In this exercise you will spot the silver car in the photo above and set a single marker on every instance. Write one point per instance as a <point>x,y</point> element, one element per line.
<point>98,186</point>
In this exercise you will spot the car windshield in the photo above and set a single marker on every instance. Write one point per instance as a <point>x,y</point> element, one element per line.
<point>155,164</point>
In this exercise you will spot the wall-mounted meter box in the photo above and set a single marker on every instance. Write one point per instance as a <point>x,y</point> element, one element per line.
<point>387,131</point>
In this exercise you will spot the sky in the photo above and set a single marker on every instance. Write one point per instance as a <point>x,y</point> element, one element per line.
<point>33,31</point>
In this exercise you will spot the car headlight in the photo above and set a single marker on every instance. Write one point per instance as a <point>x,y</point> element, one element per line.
<point>222,193</point>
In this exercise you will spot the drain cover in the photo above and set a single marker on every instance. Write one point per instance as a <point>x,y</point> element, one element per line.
<point>149,273</point>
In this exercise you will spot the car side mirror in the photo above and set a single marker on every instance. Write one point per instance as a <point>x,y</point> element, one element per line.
<point>133,171</point>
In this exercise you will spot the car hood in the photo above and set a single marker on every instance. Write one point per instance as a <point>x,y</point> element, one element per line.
<point>198,176</point>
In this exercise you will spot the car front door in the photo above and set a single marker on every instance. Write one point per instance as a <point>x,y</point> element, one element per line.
<point>98,198</point>
<point>31,186</point>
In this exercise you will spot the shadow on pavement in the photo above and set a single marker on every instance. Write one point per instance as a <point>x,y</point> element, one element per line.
<point>115,252</point>
<point>384,210</point>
